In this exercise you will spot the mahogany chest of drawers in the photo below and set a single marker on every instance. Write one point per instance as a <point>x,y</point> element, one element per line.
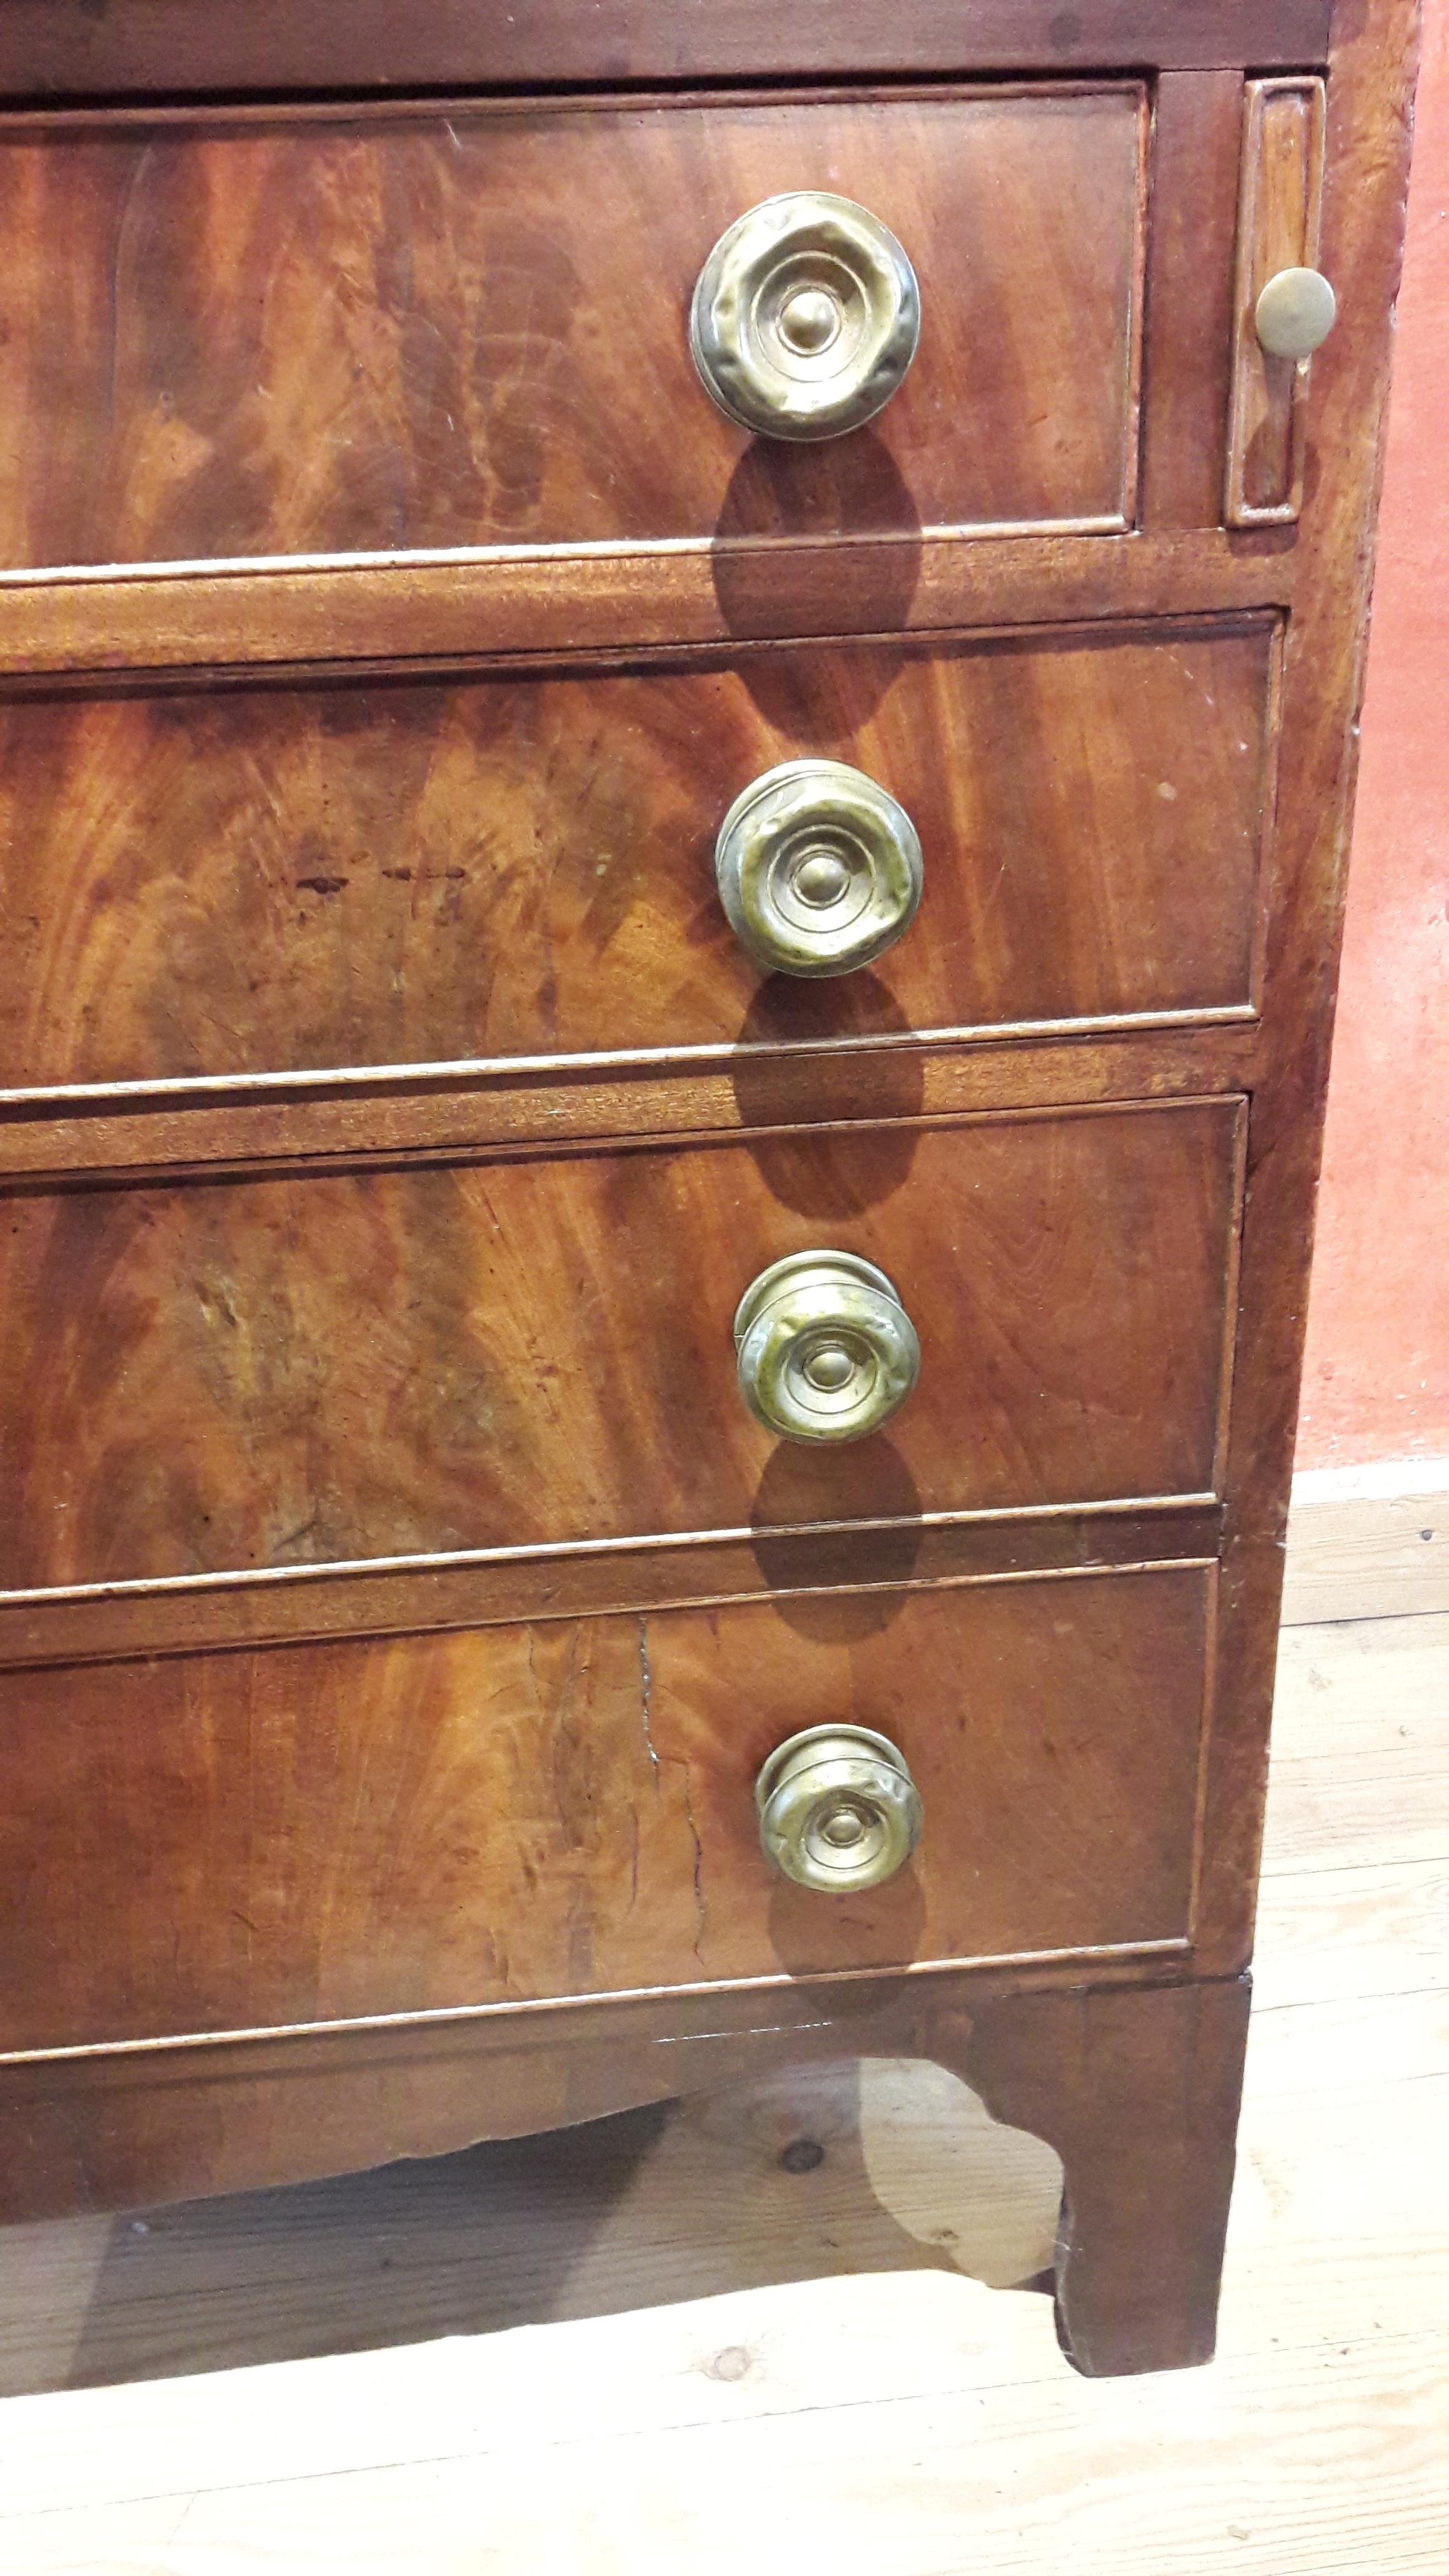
<point>678,692</point>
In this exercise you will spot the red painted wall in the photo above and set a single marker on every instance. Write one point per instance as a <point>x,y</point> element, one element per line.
<point>1377,1383</point>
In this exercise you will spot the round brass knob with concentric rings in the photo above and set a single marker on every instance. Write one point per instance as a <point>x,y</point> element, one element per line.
<point>824,1348</point>
<point>1295,313</point>
<point>819,869</point>
<point>805,318</point>
<point>838,1809</point>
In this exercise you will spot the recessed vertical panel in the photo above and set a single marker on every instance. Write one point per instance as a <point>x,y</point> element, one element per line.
<point>1278,226</point>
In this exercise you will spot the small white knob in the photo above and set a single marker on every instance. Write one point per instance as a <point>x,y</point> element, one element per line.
<point>1295,313</point>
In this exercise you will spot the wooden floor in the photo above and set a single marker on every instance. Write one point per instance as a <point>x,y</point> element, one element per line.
<point>655,2377</point>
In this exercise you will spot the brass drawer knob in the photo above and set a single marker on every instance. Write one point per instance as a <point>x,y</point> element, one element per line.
<point>819,869</point>
<point>1295,313</point>
<point>838,1809</point>
<point>824,1347</point>
<point>805,318</point>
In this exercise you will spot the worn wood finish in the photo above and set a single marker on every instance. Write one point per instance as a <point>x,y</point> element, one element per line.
<point>280,1371</point>
<point>92,2128</point>
<point>512,602</point>
<point>1196,146</point>
<point>1370,93</point>
<point>448,1113</point>
<point>191,45</point>
<point>243,880</point>
<point>1137,2091</point>
<point>1139,2095</point>
<point>466,326</point>
<point>509,1815</point>
<point>122,2129</point>
<point>1278,227</point>
<point>480,1587</point>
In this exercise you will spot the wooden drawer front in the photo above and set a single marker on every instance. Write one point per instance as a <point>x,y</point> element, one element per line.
<point>502,1814</point>
<point>383,329</point>
<point>409,872</point>
<point>304,1370</point>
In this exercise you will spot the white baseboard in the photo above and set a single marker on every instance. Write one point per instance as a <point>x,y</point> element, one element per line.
<point>1368,1542</point>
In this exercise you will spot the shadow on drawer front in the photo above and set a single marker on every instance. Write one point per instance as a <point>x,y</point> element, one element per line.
<point>404,872</point>
<point>393,328</point>
<point>569,1808</point>
<point>301,1370</point>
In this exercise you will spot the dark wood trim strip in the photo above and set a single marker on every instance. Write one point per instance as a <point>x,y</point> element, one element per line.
<point>1197,137</point>
<point>389,1115</point>
<point>111,1624</point>
<point>1207,1710</point>
<point>504,605</point>
<point>1134,389</point>
<point>212,113</point>
<point>1230,1300</point>
<point>180,47</point>
<point>179,680</point>
<point>1268,853</point>
<point>1011,1964</point>
<point>328,1082</point>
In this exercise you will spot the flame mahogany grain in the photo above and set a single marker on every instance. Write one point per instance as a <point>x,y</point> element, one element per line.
<point>508,1814</point>
<point>465,326</point>
<point>256,880</point>
<point>253,1373</point>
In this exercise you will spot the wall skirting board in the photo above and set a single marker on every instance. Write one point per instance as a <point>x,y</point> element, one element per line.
<point>1368,1542</point>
